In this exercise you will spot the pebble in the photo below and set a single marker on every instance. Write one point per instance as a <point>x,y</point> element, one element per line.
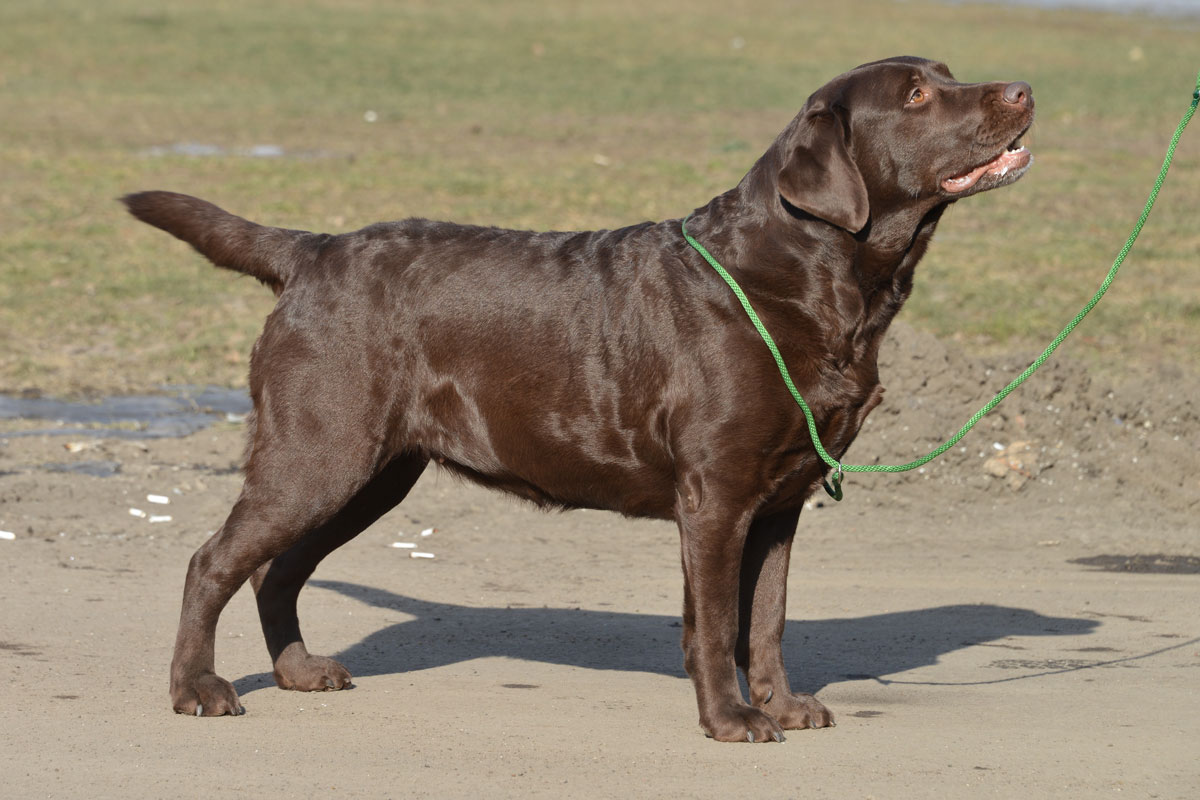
<point>158,498</point>
<point>7,535</point>
<point>418,554</point>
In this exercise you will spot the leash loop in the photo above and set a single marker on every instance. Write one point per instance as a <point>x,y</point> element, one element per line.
<point>833,482</point>
<point>834,491</point>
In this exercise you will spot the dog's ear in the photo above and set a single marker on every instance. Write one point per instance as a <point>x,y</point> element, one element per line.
<point>818,174</point>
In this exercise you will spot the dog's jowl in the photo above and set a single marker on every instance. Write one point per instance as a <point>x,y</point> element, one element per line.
<point>603,369</point>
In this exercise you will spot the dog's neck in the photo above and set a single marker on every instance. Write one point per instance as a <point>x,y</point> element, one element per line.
<point>879,258</point>
<point>797,256</point>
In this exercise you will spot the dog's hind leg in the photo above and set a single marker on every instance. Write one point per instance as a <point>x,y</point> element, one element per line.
<point>308,461</point>
<point>277,583</point>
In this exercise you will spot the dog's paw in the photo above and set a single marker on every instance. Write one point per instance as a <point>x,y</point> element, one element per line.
<point>308,673</point>
<point>798,711</point>
<point>206,695</point>
<point>741,723</point>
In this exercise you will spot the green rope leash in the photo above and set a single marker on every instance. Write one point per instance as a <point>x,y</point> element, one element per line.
<point>835,491</point>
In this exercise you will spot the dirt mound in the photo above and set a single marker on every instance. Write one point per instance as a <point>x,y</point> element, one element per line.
<point>1064,436</point>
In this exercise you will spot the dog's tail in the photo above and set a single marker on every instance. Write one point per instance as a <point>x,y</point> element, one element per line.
<point>272,255</point>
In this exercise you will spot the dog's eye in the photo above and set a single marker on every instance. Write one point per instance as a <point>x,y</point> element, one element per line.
<point>917,97</point>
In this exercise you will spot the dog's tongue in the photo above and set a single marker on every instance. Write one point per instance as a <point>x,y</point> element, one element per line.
<point>1001,164</point>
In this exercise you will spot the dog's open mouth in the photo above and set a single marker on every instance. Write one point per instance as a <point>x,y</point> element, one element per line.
<point>1004,168</point>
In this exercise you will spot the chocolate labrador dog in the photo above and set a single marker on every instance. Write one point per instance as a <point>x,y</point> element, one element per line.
<point>607,369</point>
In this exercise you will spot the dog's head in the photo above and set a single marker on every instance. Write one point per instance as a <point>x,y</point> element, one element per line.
<point>902,130</point>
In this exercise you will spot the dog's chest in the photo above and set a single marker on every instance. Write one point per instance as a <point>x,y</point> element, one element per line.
<point>840,408</point>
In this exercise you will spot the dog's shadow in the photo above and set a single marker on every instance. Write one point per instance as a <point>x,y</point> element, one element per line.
<point>819,652</point>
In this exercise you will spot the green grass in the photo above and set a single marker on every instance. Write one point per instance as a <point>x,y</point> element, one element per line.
<point>496,113</point>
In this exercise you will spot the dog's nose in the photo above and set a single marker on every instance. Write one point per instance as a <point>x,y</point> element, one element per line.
<point>1019,94</point>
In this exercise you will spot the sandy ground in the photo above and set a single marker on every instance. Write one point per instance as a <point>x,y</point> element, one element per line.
<point>979,629</point>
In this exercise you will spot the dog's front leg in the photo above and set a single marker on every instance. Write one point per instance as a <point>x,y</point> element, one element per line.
<point>761,618</point>
<point>712,545</point>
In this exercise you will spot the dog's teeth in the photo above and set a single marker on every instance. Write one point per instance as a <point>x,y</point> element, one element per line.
<point>199,710</point>
<point>750,737</point>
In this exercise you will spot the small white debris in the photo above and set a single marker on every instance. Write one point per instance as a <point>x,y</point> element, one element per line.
<point>370,116</point>
<point>160,518</point>
<point>419,554</point>
<point>161,499</point>
<point>997,446</point>
<point>601,160</point>
<point>9,535</point>
<point>428,531</point>
<point>137,512</point>
<point>405,545</point>
<point>236,419</point>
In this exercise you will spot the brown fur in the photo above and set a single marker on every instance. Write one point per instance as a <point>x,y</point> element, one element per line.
<point>605,369</point>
